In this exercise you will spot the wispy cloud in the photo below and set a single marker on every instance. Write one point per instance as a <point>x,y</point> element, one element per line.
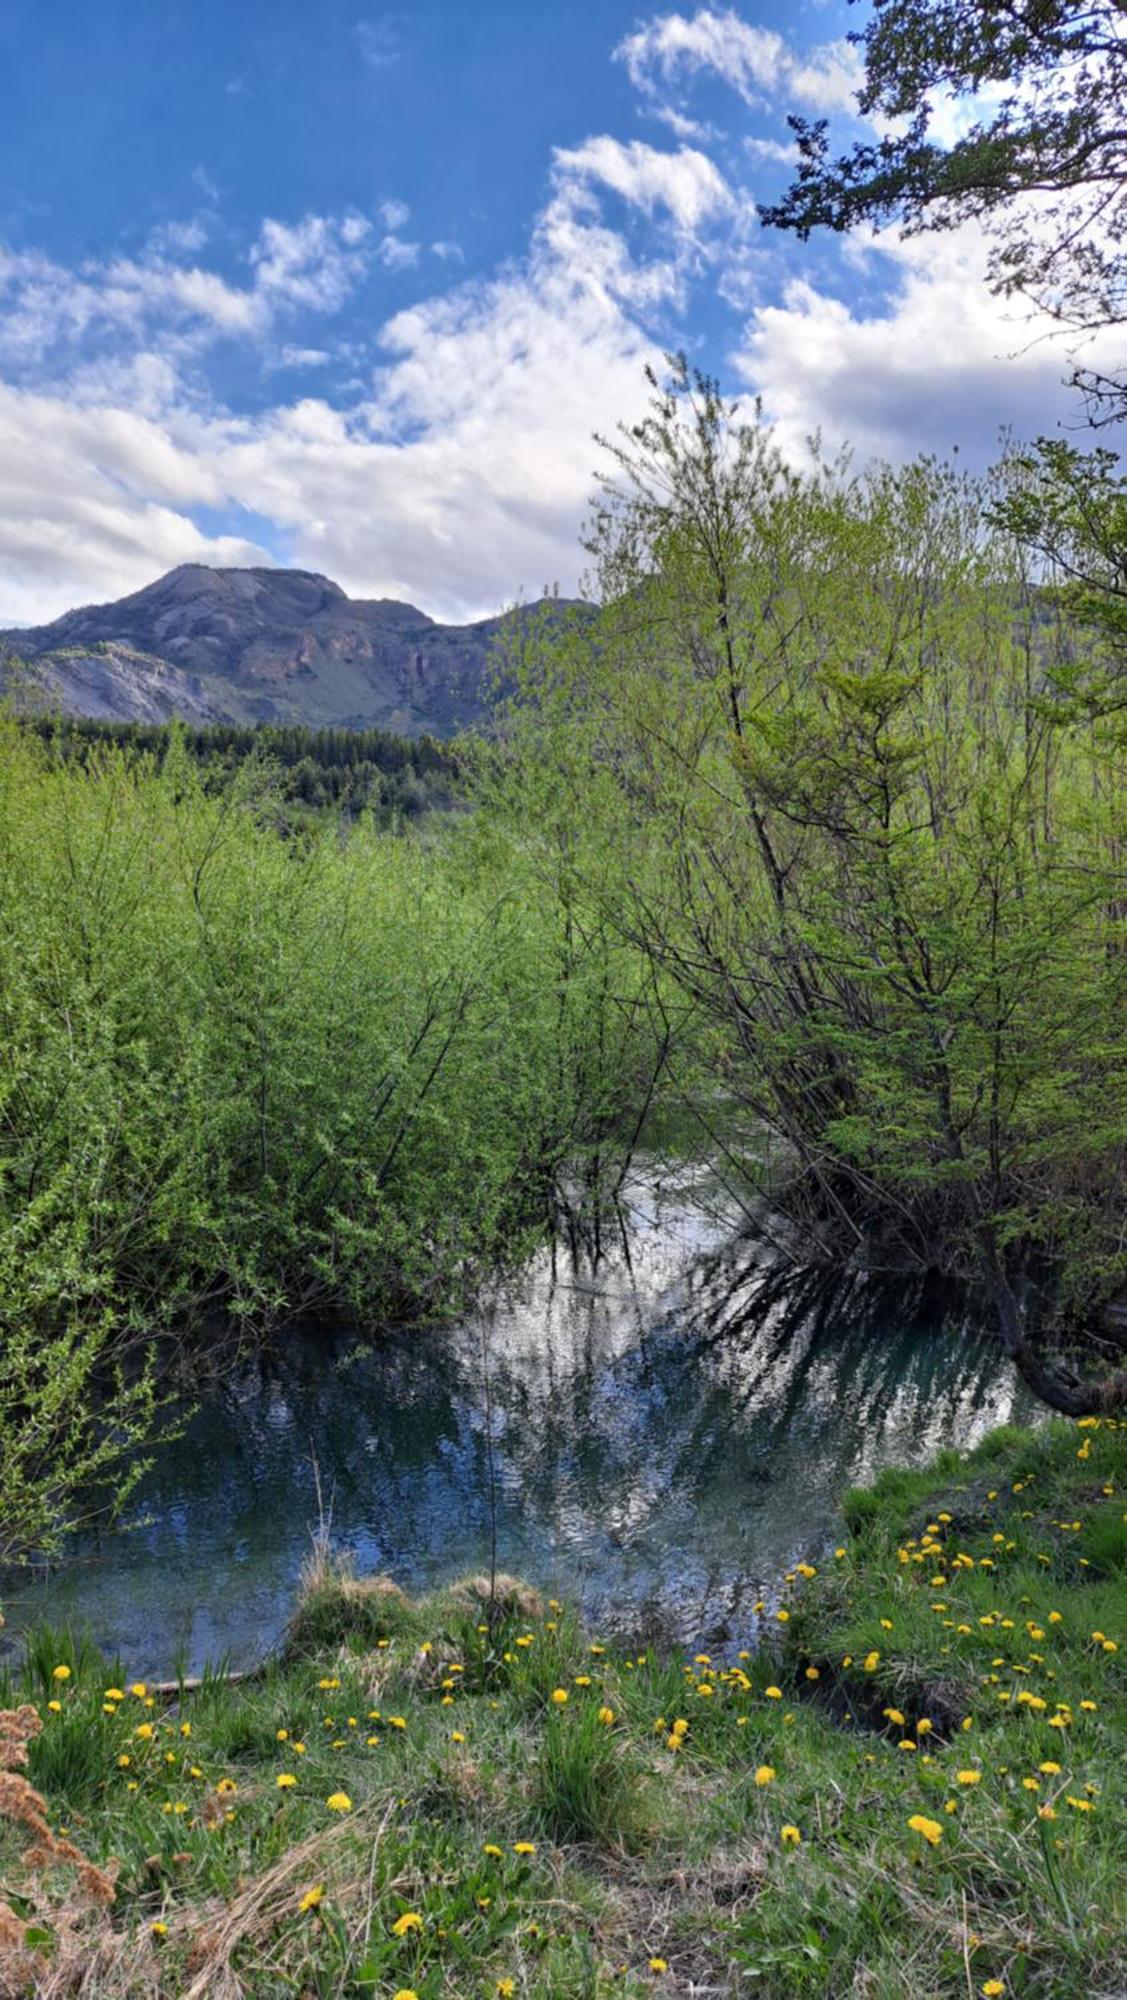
<point>395,254</point>
<point>757,63</point>
<point>686,184</point>
<point>380,40</point>
<point>315,262</point>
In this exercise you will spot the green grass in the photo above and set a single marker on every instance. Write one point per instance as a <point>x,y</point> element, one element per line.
<point>564,1845</point>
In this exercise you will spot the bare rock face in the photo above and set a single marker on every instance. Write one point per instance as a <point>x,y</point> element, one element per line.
<point>256,645</point>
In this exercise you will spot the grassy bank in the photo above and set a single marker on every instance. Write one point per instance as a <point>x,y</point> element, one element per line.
<point>915,1788</point>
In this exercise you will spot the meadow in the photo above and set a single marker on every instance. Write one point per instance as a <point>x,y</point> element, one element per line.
<point>913,1785</point>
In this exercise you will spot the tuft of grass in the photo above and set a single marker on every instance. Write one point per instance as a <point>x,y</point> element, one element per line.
<point>338,1608</point>
<point>588,1784</point>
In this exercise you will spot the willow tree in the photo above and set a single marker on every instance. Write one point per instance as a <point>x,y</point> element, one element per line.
<point>816,760</point>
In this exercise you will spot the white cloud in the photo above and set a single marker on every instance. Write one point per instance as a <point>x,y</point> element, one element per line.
<point>177,239</point>
<point>304,357</point>
<point>449,253</point>
<point>315,262</point>
<point>757,63</point>
<point>941,362</point>
<point>49,313</point>
<point>393,214</point>
<point>457,480</point>
<point>826,78</point>
<point>681,125</point>
<point>772,149</point>
<point>94,503</point>
<point>686,183</point>
<point>397,255</point>
<point>157,286</point>
<point>749,58</point>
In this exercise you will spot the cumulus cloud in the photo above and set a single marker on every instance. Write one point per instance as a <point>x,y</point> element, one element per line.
<point>940,363</point>
<point>96,502</point>
<point>458,478</point>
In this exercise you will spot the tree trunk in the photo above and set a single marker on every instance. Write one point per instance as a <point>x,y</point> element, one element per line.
<point>1061,1392</point>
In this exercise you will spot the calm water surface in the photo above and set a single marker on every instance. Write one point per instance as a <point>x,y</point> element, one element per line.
<point>670,1433</point>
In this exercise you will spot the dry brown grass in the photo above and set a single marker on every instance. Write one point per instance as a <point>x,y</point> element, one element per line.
<point>251,1919</point>
<point>509,1593</point>
<point>68,1896</point>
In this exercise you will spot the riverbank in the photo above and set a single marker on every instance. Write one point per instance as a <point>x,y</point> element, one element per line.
<point>917,1790</point>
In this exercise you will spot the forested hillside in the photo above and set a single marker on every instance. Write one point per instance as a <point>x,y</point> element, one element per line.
<point>343,771</point>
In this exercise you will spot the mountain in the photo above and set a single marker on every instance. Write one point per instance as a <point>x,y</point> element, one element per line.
<point>255,645</point>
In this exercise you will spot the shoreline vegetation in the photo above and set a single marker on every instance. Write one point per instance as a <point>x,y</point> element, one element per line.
<point>814,815</point>
<point>914,1788</point>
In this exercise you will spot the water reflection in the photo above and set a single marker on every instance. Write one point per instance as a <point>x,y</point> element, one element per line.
<point>669,1435</point>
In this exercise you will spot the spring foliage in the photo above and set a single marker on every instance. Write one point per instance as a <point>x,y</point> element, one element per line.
<point>824,758</point>
<point>242,1075</point>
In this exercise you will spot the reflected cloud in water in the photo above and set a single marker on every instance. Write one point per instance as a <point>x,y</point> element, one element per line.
<point>671,1433</point>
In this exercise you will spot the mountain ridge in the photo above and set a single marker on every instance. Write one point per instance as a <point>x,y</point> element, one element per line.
<point>256,645</point>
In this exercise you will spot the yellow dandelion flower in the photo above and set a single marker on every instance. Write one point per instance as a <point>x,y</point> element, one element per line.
<point>790,1836</point>
<point>930,1829</point>
<point>339,1802</point>
<point>409,1921</point>
<point>765,1775</point>
<point>559,1696</point>
<point>284,1780</point>
<point>969,1777</point>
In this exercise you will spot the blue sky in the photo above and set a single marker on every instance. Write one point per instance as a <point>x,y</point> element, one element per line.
<point>353,289</point>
